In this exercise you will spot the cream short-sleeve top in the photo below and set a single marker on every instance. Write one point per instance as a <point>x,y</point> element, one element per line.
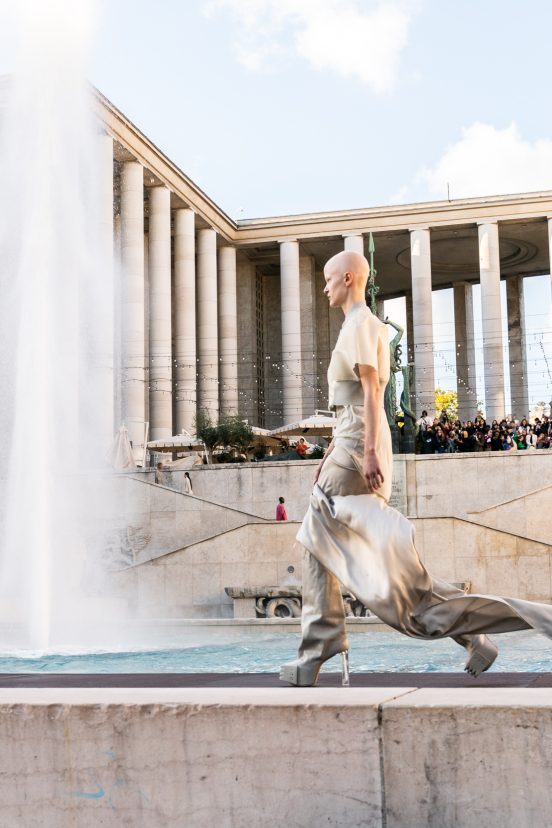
<point>363,340</point>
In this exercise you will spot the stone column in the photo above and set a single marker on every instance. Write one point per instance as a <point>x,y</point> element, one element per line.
<point>422,316</point>
<point>410,349</point>
<point>272,348</point>
<point>491,314</point>
<point>465,350</point>
<point>228,330</point>
<point>248,342</point>
<point>519,386</point>
<point>160,332</point>
<point>307,285</point>
<point>106,391</point>
<point>185,374</point>
<point>207,323</point>
<point>291,330</point>
<point>354,241</point>
<point>133,345</point>
<point>322,340</point>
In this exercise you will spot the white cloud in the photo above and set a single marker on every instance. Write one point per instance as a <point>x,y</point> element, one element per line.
<point>332,35</point>
<point>485,161</point>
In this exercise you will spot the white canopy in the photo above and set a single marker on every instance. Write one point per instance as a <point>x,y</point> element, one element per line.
<point>264,435</point>
<point>317,425</point>
<point>180,442</point>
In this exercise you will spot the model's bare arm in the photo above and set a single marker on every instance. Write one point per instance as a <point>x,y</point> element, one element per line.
<point>372,414</point>
<point>326,455</point>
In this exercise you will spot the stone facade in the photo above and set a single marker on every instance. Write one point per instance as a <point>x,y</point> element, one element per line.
<point>180,553</point>
<point>220,314</point>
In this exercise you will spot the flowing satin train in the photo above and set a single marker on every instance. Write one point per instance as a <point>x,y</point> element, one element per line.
<point>369,547</point>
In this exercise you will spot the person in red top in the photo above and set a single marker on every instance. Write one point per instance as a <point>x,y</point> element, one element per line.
<point>281,513</point>
<point>301,447</point>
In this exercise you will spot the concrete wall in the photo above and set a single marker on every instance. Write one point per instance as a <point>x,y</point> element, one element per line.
<point>190,583</point>
<point>529,516</point>
<point>424,486</point>
<point>167,758</point>
<point>152,520</point>
<point>190,548</point>
<point>453,484</point>
<point>495,562</point>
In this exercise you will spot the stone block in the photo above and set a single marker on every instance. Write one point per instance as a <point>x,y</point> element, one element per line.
<point>150,588</point>
<point>534,577</point>
<point>245,608</point>
<point>234,574</point>
<point>213,551</point>
<point>264,508</point>
<point>439,538</point>
<point>137,497</point>
<point>472,569</point>
<point>478,758</point>
<point>207,587</point>
<point>502,577</point>
<point>178,757</point>
<point>178,580</point>
<point>239,486</point>
<point>162,500</point>
<point>163,530</point>
<point>262,572</point>
<point>289,577</point>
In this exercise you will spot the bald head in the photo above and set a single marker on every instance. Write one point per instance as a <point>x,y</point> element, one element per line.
<point>352,262</point>
<point>346,275</point>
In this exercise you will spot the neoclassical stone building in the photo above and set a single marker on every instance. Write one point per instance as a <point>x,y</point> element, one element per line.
<point>229,315</point>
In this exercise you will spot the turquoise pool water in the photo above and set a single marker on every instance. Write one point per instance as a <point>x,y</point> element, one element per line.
<point>370,652</point>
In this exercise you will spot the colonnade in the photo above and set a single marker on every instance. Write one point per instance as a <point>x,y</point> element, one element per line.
<point>179,334</point>
<point>420,332</point>
<point>177,308</point>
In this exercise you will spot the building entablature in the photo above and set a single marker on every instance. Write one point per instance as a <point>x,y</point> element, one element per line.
<point>131,144</point>
<point>397,218</point>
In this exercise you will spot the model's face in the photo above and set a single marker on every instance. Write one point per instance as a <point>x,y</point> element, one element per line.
<point>337,284</point>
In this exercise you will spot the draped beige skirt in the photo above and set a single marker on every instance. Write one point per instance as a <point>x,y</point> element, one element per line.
<point>370,548</point>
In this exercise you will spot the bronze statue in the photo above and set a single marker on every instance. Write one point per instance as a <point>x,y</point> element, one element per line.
<point>390,399</point>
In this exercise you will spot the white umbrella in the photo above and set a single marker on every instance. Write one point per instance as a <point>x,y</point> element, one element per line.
<point>180,442</point>
<point>121,456</point>
<point>317,425</point>
<point>264,435</point>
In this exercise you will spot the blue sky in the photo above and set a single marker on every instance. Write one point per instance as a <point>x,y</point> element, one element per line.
<point>285,106</point>
<point>273,108</point>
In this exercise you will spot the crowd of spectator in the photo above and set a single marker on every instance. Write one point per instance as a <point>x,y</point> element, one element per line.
<point>440,435</point>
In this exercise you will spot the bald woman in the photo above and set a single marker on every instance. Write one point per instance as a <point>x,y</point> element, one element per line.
<point>352,536</point>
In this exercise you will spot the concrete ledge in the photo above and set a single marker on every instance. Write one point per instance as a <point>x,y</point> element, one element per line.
<point>301,757</point>
<point>470,758</point>
<point>256,625</point>
<point>198,758</point>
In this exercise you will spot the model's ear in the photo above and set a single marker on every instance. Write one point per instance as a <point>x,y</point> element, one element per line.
<point>348,278</point>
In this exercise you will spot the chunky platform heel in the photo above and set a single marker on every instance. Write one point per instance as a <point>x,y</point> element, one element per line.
<point>304,672</point>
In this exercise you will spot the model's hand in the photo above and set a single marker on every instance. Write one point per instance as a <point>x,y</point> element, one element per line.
<point>372,472</point>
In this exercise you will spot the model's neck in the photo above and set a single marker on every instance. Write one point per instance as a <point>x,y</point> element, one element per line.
<point>351,301</point>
